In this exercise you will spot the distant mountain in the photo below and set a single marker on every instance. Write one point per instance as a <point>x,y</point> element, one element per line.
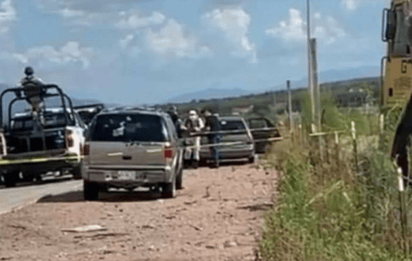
<point>208,94</point>
<point>324,77</point>
<point>331,76</point>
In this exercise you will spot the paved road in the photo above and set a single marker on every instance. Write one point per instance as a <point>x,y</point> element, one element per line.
<point>15,198</point>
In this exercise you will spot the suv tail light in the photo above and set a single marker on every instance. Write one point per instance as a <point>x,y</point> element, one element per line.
<point>69,138</point>
<point>168,153</point>
<point>86,150</point>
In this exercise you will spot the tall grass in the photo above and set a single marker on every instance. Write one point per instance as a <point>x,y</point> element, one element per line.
<point>330,209</point>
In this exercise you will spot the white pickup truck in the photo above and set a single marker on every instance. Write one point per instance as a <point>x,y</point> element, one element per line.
<point>33,145</point>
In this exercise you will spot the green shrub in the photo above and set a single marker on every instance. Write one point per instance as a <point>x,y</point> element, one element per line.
<point>330,209</point>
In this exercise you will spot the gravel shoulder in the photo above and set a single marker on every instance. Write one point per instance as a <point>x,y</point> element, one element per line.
<point>217,216</point>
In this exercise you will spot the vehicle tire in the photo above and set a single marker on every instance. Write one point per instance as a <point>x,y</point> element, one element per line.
<point>179,179</point>
<point>38,179</point>
<point>169,189</point>
<point>251,159</point>
<point>203,162</point>
<point>186,164</point>
<point>90,190</point>
<point>10,180</point>
<point>77,172</point>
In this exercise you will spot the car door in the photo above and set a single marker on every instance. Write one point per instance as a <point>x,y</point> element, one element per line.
<point>174,139</point>
<point>262,129</point>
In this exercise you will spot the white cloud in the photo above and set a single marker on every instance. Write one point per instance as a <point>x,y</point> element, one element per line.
<point>71,52</point>
<point>354,4</point>
<point>171,39</point>
<point>7,15</point>
<point>135,22</point>
<point>69,13</point>
<point>350,4</point>
<point>235,24</point>
<point>124,42</point>
<point>294,29</point>
<point>291,30</point>
<point>80,17</point>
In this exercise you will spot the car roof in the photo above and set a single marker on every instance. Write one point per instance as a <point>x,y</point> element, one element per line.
<point>231,118</point>
<point>133,111</point>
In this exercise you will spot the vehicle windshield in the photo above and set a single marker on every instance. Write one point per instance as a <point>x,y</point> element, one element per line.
<point>128,127</point>
<point>402,42</point>
<point>232,125</point>
<point>51,120</point>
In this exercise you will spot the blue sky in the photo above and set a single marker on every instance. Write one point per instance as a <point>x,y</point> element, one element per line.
<point>147,51</point>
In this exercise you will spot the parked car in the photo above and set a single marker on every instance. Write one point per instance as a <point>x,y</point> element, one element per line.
<point>242,139</point>
<point>262,129</point>
<point>132,148</point>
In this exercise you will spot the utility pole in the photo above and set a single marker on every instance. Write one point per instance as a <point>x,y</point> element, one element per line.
<point>316,83</point>
<point>310,63</point>
<point>290,105</point>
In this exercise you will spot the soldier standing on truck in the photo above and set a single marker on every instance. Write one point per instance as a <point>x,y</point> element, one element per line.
<point>34,94</point>
<point>193,125</point>
<point>32,89</point>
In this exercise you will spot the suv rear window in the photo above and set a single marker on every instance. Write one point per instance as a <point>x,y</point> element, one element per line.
<point>128,127</point>
<point>228,125</point>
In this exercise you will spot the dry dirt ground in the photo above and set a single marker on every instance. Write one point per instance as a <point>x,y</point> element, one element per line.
<point>217,216</point>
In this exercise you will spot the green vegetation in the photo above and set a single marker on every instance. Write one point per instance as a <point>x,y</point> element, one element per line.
<point>274,104</point>
<point>329,208</point>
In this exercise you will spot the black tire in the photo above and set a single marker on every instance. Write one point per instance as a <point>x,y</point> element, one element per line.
<point>169,189</point>
<point>10,180</point>
<point>38,179</point>
<point>90,190</point>
<point>179,179</point>
<point>186,164</point>
<point>251,159</point>
<point>77,172</point>
<point>203,162</point>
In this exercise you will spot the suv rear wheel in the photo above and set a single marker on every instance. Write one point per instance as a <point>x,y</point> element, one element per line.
<point>90,190</point>
<point>169,189</point>
<point>10,179</point>
<point>179,179</point>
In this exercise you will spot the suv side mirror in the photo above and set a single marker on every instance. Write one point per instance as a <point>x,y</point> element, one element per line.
<point>389,16</point>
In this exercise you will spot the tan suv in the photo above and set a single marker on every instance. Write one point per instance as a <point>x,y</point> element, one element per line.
<point>132,148</point>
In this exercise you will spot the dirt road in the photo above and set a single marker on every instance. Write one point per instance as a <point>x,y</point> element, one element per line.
<point>217,216</point>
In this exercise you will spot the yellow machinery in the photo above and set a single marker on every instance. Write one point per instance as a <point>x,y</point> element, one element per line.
<point>396,66</point>
<point>396,85</point>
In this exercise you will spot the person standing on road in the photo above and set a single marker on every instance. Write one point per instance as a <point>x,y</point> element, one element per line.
<point>177,122</point>
<point>212,124</point>
<point>193,125</point>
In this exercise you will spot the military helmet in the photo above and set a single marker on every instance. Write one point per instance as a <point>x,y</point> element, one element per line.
<point>28,71</point>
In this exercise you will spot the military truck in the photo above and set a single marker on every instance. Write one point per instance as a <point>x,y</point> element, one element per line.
<point>33,143</point>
